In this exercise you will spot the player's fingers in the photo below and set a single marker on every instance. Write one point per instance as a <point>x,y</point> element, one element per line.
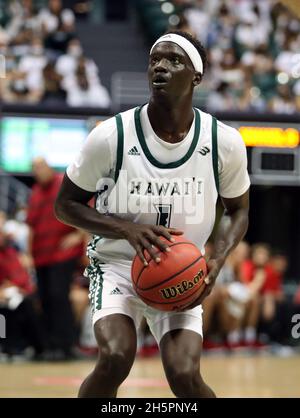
<point>207,280</point>
<point>159,243</point>
<point>140,253</point>
<point>175,231</point>
<point>150,249</point>
<point>164,233</point>
<point>167,232</point>
<point>210,279</point>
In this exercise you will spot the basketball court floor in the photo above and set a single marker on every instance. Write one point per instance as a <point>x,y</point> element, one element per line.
<point>259,376</point>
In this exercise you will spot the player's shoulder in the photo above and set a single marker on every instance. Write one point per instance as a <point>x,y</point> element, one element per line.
<point>128,116</point>
<point>104,128</point>
<point>128,113</point>
<point>107,131</point>
<point>126,122</point>
<point>227,132</point>
<point>102,137</point>
<point>228,137</point>
<point>110,126</point>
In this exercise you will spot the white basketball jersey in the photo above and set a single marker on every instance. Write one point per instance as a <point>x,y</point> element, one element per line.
<point>181,194</point>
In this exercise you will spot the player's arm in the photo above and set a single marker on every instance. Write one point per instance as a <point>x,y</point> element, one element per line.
<point>234,194</point>
<point>233,225</point>
<point>234,186</point>
<point>72,208</point>
<point>231,230</point>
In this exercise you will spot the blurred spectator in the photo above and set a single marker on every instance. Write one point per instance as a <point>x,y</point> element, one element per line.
<point>222,98</point>
<point>221,29</point>
<point>257,268</point>
<point>231,71</point>
<point>284,102</point>
<point>58,26</point>
<point>23,17</point>
<point>23,327</point>
<point>232,298</point>
<point>55,17</point>
<point>32,66</point>
<point>253,47</point>
<point>82,92</point>
<point>276,310</point>
<point>183,24</point>
<point>198,20</point>
<point>15,89</point>
<point>260,274</point>
<point>53,93</point>
<point>251,32</point>
<point>17,230</point>
<point>288,58</point>
<point>247,305</point>
<point>10,59</point>
<point>67,64</point>
<point>82,8</point>
<point>55,249</point>
<point>263,73</point>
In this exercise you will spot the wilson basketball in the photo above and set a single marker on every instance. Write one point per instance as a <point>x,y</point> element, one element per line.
<point>176,281</point>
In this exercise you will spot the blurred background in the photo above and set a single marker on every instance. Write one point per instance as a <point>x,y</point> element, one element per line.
<point>66,66</point>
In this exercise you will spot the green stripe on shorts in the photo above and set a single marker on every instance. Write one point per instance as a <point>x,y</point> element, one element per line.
<point>95,274</point>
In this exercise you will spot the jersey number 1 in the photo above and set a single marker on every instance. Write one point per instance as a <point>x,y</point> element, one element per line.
<point>163,215</point>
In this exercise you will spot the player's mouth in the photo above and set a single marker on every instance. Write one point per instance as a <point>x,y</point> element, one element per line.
<point>159,81</point>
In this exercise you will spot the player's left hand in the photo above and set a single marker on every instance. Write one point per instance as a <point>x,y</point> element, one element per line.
<point>213,268</point>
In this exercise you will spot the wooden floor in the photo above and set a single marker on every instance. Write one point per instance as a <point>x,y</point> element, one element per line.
<point>262,376</point>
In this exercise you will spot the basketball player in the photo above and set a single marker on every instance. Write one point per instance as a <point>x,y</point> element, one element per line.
<point>168,143</point>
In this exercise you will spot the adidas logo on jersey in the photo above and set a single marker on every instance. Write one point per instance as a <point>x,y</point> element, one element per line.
<point>116,291</point>
<point>134,151</point>
<point>204,150</point>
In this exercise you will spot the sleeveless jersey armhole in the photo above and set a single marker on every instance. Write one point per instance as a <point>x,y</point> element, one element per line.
<point>120,146</point>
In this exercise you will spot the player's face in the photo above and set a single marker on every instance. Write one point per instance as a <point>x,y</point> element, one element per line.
<point>170,70</point>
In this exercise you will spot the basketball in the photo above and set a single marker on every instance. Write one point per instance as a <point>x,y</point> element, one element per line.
<point>176,281</point>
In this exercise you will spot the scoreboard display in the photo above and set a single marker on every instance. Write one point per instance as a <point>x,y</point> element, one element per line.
<point>273,151</point>
<point>24,138</point>
<point>273,147</point>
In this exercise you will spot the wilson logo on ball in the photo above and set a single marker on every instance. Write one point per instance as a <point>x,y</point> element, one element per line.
<point>182,287</point>
<point>176,281</point>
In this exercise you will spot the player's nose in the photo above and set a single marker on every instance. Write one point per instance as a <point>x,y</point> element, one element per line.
<point>160,66</point>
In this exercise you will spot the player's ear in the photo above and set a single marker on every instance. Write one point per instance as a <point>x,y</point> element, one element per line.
<point>197,79</point>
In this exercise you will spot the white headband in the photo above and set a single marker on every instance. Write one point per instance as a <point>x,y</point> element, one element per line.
<point>186,45</point>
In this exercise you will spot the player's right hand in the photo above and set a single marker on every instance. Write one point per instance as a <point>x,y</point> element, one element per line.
<point>146,237</point>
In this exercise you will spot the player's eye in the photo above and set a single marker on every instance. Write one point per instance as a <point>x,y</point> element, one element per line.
<point>153,60</point>
<point>176,60</point>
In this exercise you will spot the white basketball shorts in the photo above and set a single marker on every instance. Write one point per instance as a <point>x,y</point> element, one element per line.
<point>111,292</point>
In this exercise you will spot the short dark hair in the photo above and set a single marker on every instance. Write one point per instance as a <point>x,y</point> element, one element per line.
<point>197,44</point>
